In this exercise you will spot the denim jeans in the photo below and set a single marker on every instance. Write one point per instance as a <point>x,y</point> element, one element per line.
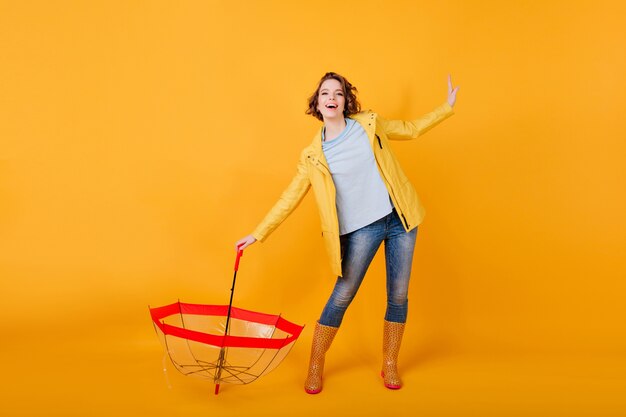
<point>358,249</point>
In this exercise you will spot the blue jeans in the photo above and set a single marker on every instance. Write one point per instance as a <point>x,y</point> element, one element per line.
<point>358,249</point>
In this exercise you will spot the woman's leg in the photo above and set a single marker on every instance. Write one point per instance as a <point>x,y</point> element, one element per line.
<point>399,248</point>
<point>358,249</point>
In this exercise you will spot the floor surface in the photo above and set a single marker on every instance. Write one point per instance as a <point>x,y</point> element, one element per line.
<point>105,375</point>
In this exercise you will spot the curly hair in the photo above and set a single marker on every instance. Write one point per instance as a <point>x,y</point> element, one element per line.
<point>352,105</point>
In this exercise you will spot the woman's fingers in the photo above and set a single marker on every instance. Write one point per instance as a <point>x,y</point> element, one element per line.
<point>241,244</point>
<point>451,91</point>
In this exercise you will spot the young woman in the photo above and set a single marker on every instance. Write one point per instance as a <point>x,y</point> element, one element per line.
<point>364,199</point>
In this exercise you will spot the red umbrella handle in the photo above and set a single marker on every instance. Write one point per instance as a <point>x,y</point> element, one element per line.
<point>239,255</point>
<point>220,360</point>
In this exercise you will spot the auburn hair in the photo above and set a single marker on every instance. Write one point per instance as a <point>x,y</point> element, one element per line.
<point>352,105</point>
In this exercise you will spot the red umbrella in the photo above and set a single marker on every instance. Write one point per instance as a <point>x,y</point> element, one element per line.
<point>221,342</point>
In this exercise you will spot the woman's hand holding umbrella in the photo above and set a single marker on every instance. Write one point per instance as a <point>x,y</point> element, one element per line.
<point>243,243</point>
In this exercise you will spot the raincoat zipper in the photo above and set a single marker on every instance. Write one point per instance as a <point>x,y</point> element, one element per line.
<point>393,197</point>
<point>326,171</point>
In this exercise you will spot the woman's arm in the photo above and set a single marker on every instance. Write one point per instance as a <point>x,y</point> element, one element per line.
<point>286,204</point>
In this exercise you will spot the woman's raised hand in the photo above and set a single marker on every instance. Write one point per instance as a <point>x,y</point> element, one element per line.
<point>244,242</point>
<point>451,92</point>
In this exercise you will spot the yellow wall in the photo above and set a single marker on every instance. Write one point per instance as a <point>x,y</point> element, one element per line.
<point>140,140</point>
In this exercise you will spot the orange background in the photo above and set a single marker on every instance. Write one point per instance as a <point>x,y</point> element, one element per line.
<point>140,140</point>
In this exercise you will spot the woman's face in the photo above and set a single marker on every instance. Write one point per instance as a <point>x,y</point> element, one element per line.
<point>331,100</point>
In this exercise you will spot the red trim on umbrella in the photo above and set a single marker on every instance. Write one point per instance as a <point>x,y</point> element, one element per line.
<point>159,313</point>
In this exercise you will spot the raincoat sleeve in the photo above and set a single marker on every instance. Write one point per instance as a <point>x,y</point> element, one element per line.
<point>405,130</point>
<point>286,204</point>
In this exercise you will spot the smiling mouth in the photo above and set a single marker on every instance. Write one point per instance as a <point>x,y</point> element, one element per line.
<point>331,106</point>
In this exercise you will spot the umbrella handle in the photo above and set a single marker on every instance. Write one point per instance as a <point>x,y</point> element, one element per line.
<point>239,255</point>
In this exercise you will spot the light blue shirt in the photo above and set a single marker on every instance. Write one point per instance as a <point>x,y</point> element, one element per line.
<point>362,197</point>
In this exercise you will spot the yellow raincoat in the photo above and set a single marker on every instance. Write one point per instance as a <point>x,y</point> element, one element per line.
<point>313,172</point>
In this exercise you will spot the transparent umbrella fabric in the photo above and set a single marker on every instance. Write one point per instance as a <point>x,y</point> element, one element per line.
<point>194,337</point>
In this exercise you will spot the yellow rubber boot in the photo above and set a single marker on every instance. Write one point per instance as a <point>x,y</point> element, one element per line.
<point>392,338</point>
<point>322,339</point>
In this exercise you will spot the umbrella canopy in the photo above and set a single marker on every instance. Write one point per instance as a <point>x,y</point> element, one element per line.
<point>221,342</point>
